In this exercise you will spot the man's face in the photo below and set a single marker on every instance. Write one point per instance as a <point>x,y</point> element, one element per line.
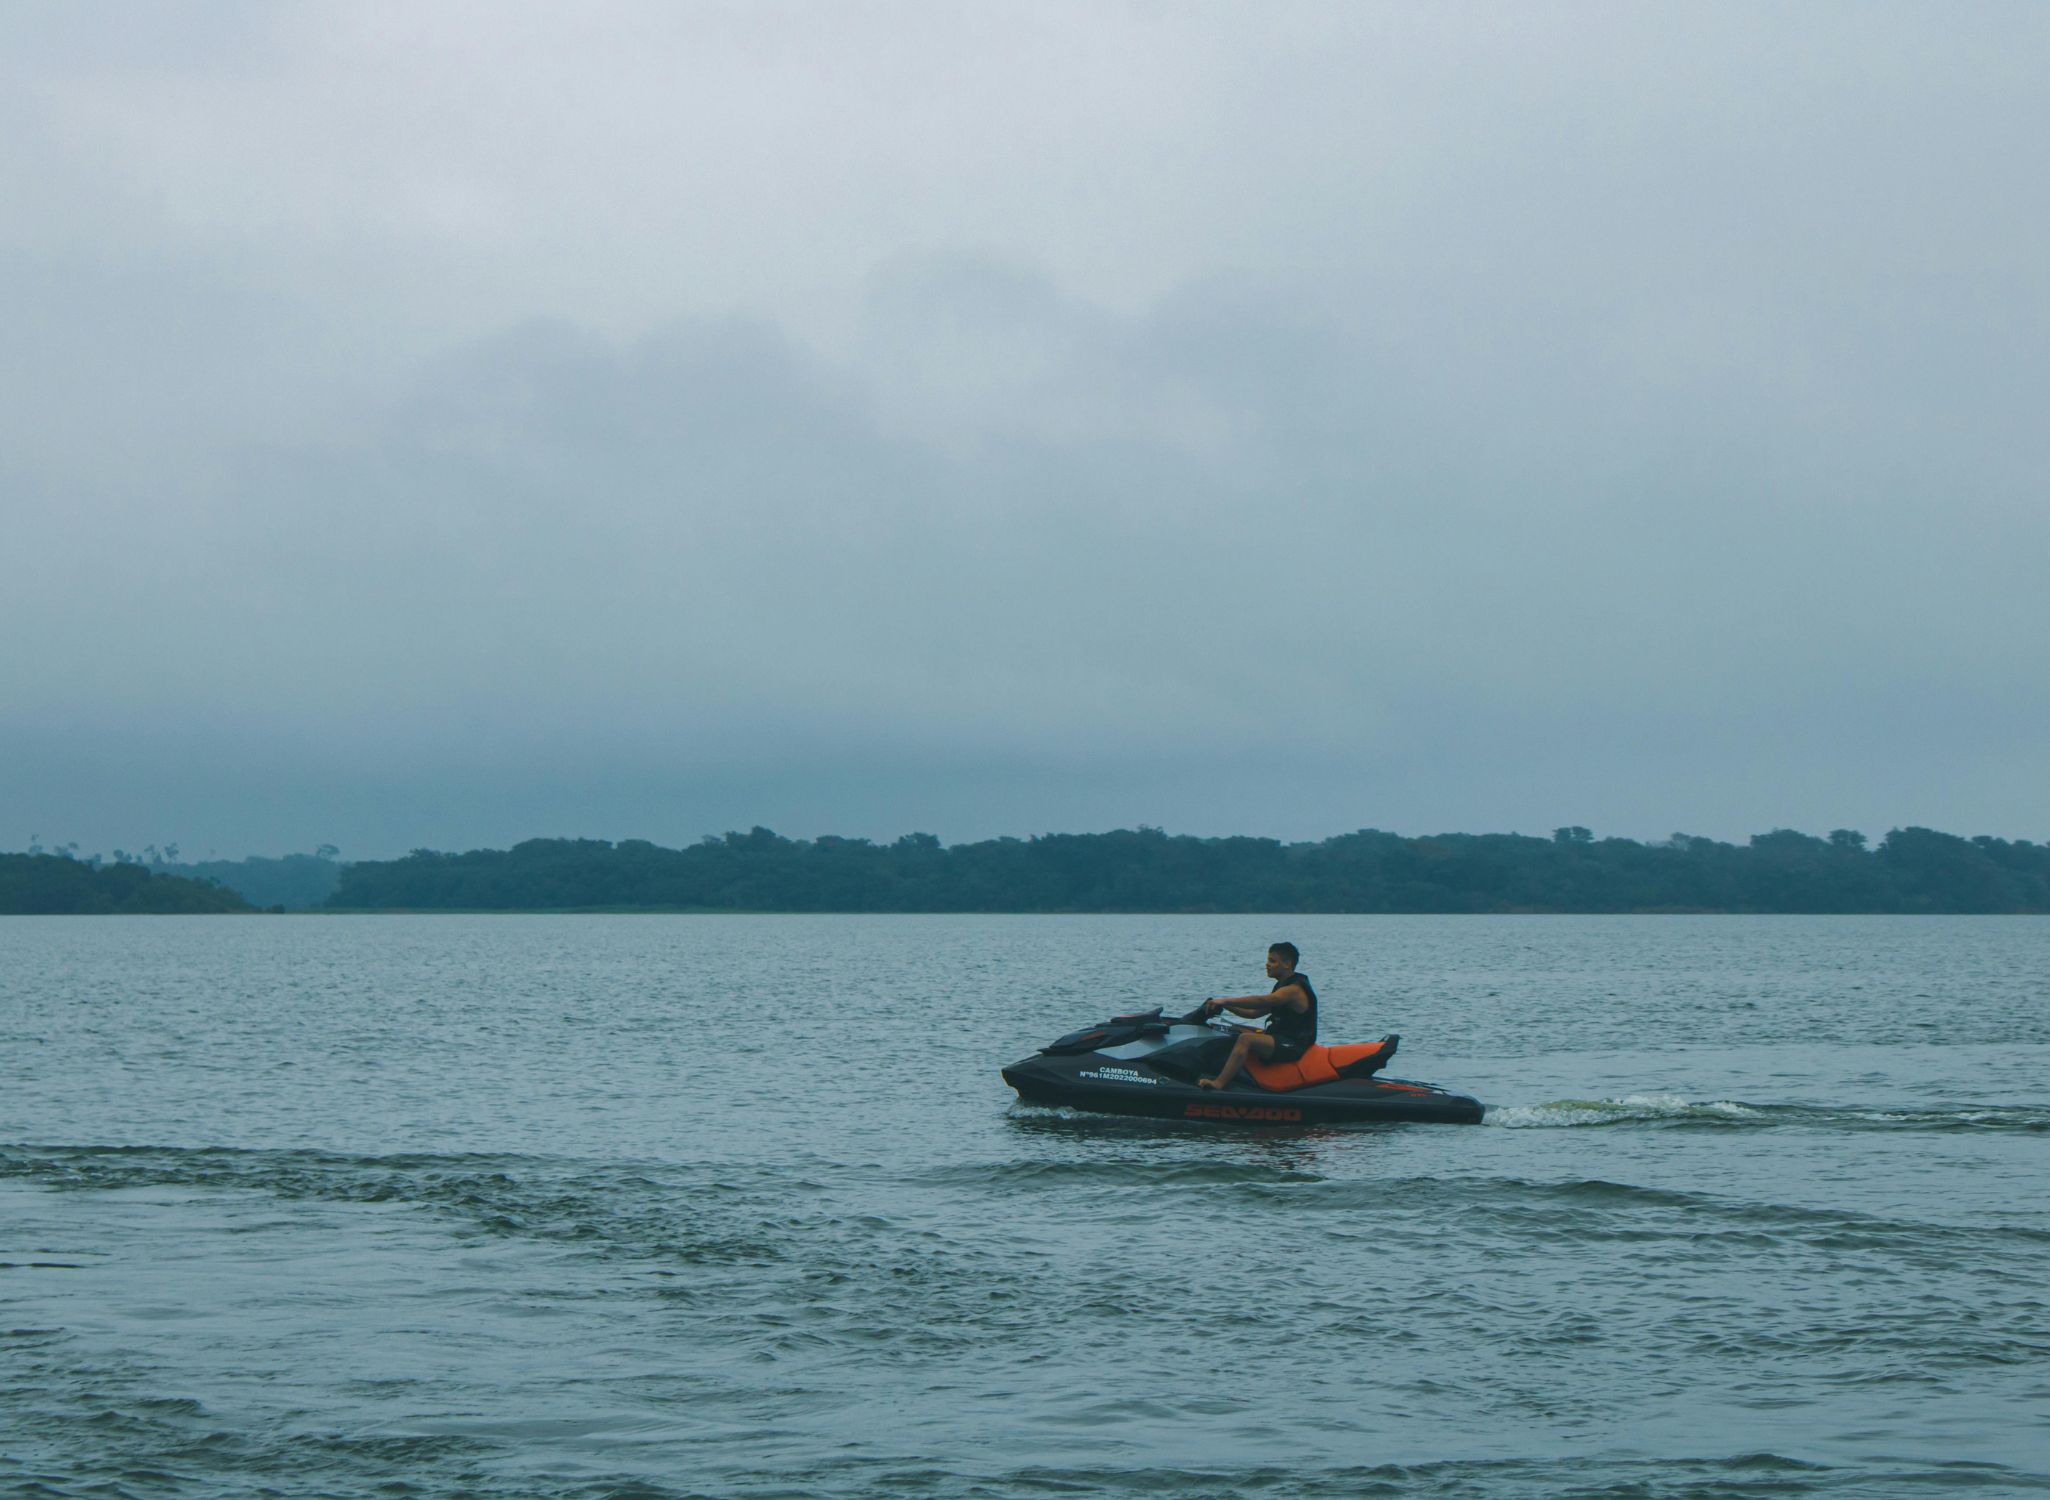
<point>1276,965</point>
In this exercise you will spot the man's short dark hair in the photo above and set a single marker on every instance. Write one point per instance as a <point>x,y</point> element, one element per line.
<point>1287,951</point>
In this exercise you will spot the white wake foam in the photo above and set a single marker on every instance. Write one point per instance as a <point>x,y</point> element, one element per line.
<point>1561,1113</point>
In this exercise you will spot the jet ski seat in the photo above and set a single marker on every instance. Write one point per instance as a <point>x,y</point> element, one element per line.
<point>1322,1064</point>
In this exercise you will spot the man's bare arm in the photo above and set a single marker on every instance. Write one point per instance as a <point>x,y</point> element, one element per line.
<point>1260,1005</point>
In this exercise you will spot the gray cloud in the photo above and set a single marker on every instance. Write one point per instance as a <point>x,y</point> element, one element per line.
<point>657,420</point>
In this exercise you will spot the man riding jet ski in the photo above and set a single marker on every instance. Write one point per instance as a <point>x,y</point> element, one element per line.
<point>1291,1012</point>
<point>1195,1068</point>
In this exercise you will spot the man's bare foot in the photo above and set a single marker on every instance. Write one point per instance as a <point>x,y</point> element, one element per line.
<point>1206,1083</point>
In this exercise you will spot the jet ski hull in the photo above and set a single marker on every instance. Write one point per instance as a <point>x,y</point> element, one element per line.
<point>1129,1085</point>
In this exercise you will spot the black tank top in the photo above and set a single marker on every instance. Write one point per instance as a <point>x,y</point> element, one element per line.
<point>1292,1028</point>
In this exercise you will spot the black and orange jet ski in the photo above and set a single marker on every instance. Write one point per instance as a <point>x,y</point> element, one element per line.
<point>1148,1064</point>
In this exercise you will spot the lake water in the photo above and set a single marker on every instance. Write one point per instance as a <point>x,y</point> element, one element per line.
<point>738,1206</point>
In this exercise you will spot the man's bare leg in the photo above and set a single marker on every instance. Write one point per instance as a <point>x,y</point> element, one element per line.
<point>1248,1042</point>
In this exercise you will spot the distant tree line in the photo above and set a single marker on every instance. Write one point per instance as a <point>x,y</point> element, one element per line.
<point>58,885</point>
<point>1146,870</point>
<point>294,882</point>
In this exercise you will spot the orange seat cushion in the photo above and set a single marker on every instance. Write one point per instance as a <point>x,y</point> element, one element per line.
<point>1319,1064</point>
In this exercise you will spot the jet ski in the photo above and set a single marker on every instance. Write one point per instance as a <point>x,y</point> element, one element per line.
<point>1148,1064</point>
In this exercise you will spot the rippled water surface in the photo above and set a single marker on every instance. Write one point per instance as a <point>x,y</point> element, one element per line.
<point>738,1206</point>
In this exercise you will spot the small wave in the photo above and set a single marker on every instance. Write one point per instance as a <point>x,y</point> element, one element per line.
<point>1488,1193</point>
<point>1980,1118</point>
<point>1674,1110</point>
<point>601,1206</point>
<point>1114,1173</point>
<point>1630,1109</point>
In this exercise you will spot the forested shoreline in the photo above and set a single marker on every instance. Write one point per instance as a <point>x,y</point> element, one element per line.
<point>1146,870</point>
<point>1130,870</point>
<point>54,885</point>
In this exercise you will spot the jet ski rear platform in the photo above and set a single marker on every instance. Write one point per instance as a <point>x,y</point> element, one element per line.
<point>1148,1065</point>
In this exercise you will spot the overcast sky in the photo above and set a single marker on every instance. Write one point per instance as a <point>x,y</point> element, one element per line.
<point>441,425</point>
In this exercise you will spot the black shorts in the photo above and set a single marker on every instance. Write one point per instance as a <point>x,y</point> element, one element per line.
<point>1287,1052</point>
